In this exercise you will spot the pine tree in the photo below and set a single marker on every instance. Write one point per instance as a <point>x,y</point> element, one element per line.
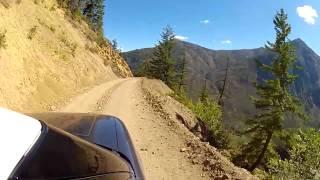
<point>114,44</point>
<point>93,10</point>
<point>181,76</point>
<point>143,69</point>
<point>274,100</point>
<point>224,85</point>
<point>98,18</point>
<point>204,96</point>
<point>161,65</point>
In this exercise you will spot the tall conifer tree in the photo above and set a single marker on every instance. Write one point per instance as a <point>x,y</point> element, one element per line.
<point>161,65</point>
<point>204,95</point>
<point>274,100</point>
<point>181,75</point>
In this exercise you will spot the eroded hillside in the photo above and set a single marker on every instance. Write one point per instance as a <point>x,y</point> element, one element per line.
<point>48,56</point>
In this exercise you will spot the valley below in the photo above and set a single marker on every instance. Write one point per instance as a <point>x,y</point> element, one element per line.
<point>207,67</point>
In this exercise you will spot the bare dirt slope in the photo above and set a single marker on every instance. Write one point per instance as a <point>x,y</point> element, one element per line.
<point>161,144</point>
<point>48,56</point>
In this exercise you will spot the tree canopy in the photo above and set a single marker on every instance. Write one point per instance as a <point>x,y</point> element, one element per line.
<point>92,10</point>
<point>162,63</point>
<point>273,101</point>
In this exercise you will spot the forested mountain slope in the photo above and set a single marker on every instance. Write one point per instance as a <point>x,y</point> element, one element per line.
<point>206,65</point>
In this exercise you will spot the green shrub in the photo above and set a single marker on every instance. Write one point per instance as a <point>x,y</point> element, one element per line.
<point>32,32</point>
<point>304,160</point>
<point>211,114</point>
<point>77,15</point>
<point>3,41</point>
<point>181,96</point>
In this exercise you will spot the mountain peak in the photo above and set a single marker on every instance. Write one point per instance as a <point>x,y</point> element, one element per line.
<point>299,42</point>
<point>302,47</point>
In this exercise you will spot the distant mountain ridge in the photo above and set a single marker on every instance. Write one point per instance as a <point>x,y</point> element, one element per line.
<point>204,63</point>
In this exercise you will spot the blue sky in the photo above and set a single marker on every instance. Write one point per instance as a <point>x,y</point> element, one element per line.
<point>227,24</point>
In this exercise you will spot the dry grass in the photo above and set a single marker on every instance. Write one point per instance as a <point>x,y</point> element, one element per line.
<point>34,72</point>
<point>52,8</point>
<point>32,32</point>
<point>43,23</point>
<point>5,3</point>
<point>3,40</point>
<point>52,29</point>
<point>38,1</point>
<point>92,48</point>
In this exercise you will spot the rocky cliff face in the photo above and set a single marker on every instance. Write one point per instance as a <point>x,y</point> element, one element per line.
<point>48,55</point>
<point>205,65</point>
<point>116,61</point>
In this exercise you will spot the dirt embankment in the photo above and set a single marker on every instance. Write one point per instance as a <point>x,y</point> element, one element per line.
<point>167,149</point>
<point>49,56</point>
<point>180,119</point>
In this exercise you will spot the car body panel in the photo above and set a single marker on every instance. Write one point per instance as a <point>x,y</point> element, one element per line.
<point>18,133</point>
<point>61,155</point>
<point>107,131</point>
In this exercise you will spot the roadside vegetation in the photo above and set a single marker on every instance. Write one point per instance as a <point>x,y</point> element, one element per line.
<point>267,148</point>
<point>32,32</point>
<point>3,40</point>
<point>271,147</point>
<point>304,155</point>
<point>90,11</point>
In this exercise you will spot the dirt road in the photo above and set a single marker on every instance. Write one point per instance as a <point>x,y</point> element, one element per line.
<point>158,147</point>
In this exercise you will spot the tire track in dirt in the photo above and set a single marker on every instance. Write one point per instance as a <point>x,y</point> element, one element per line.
<point>106,96</point>
<point>158,146</point>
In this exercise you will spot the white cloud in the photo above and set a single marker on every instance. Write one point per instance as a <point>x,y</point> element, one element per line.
<point>206,21</point>
<point>308,14</point>
<point>182,38</point>
<point>226,42</point>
